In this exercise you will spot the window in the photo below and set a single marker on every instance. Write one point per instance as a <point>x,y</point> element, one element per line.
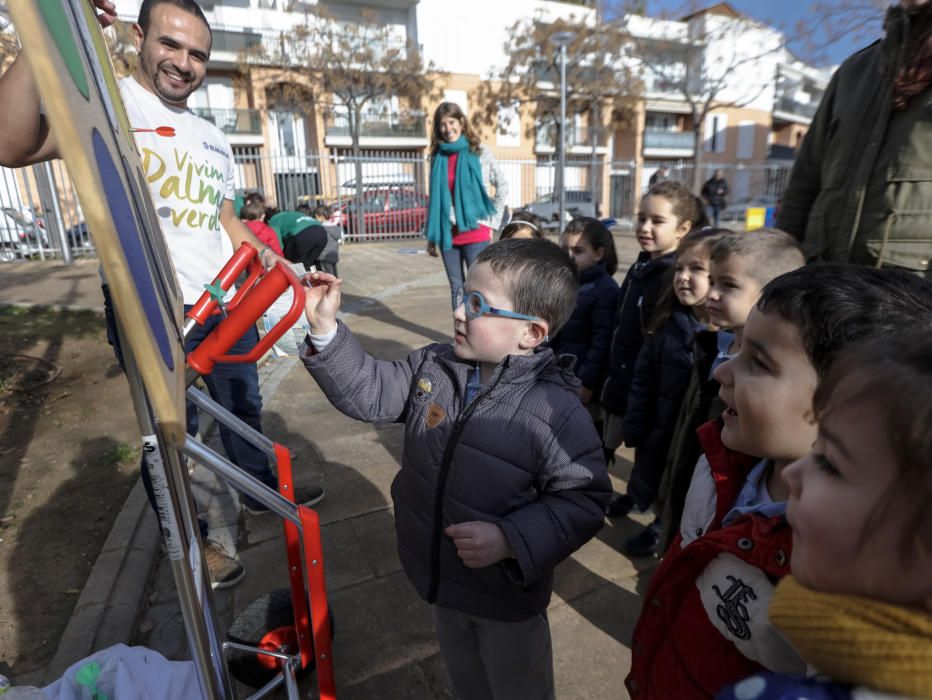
<point>714,132</point>
<point>746,134</point>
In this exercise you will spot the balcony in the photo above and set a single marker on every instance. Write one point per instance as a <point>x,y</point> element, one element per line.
<point>233,122</point>
<point>578,139</point>
<point>788,109</point>
<point>389,130</point>
<point>669,144</point>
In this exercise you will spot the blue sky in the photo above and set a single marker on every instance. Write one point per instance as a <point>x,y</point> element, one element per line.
<point>784,14</point>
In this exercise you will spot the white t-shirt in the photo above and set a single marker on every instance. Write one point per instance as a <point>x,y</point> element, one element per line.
<point>189,176</point>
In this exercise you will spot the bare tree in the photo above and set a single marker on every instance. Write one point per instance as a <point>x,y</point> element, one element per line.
<point>353,70</point>
<point>831,21</point>
<point>699,63</point>
<point>599,80</point>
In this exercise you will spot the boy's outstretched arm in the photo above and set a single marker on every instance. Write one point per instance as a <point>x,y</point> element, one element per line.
<point>358,385</point>
<point>575,489</point>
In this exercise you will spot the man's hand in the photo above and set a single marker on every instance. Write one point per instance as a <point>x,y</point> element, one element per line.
<point>269,258</point>
<point>432,249</point>
<point>107,14</point>
<point>479,544</point>
<point>321,301</point>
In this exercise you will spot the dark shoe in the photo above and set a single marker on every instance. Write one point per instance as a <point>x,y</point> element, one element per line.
<point>225,572</point>
<point>645,543</point>
<point>304,495</point>
<point>620,505</point>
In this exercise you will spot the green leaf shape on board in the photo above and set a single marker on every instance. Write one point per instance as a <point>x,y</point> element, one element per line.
<point>56,18</point>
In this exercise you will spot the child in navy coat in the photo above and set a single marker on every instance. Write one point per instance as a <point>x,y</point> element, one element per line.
<point>587,335</point>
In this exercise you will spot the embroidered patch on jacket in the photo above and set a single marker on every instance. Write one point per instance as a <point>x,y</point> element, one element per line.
<point>423,388</point>
<point>435,416</point>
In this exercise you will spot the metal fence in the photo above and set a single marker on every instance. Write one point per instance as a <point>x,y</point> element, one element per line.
<point>392,201</point>
<point>41,218</point>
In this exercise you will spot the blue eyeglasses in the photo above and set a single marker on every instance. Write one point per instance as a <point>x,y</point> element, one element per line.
<point>476,306</point>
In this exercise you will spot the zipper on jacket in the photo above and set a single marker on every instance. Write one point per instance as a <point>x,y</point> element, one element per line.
<point>442,483</point>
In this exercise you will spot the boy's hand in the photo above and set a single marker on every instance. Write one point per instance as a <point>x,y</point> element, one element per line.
<point>479,543</point>
<point>321,301</point>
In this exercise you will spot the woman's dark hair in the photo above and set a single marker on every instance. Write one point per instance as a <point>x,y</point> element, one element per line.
<point>893,374</point>
<point>451,109</point>
<point>833,305</point>
<point>596,234</point>
<point>668,303</point>
<point>322,212</point>
<point>523,219</point>
<point>686,205</point>
<point>915,74</point>
<point>269,213</point>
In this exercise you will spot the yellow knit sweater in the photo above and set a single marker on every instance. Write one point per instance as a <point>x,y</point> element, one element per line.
<point>858,640</point>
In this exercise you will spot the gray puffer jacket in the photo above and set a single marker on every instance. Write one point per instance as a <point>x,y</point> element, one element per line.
<point>524,455</point>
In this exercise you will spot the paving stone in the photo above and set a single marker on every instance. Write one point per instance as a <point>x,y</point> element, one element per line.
<point>376,535</point>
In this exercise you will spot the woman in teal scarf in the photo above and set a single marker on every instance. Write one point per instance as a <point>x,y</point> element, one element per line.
<point>461,216</point>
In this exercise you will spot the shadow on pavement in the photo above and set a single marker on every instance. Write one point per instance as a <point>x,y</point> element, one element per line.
<point>43,604</point>
<point>373,308</point>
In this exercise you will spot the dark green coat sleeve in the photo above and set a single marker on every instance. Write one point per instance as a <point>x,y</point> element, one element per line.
<point>806,177</point>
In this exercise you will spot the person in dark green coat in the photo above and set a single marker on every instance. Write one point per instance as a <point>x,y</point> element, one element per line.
<point>861,188</point>
<point>302,236</point>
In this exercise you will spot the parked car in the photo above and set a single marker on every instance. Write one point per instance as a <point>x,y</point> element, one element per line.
<point>21,233</point>
<point>385,211</point>
<point>547,207</point>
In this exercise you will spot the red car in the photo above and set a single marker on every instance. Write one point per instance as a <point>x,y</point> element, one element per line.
<point>386,212</point>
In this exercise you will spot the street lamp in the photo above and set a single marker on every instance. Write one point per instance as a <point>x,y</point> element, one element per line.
<point>561,39</point>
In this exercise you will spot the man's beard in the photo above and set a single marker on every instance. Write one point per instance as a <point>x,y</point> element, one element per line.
<point>170,93</point>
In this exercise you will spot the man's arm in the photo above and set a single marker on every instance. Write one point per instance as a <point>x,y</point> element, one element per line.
<point>25,137</point>
<point>239,233</point>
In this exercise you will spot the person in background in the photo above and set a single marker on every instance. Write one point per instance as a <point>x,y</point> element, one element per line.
<point>661,174</point>
<point>715,193</point>
<point>523,224</point>
<point>665,215</point>
<point>661,376</point>
<point>303,238</point>
<point>467,195</point>
<point>252,212</point>
<point>860,190</point>
<point>330,256</point>
<point>588,333</point>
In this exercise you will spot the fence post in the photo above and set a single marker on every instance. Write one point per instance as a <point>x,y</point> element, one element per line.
<point>67,257</point>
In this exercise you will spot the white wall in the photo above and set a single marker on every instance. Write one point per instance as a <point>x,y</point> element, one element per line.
<point>470,37</point>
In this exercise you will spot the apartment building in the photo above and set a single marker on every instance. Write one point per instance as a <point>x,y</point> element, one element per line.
<point>771,96</point>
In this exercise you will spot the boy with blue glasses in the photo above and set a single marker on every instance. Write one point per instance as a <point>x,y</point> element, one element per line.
<point>502,475</point>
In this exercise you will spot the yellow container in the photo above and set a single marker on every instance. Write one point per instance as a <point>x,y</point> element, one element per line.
<point>755,218</point>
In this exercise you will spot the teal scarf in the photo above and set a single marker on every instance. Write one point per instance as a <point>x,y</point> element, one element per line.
<point>470,200</point>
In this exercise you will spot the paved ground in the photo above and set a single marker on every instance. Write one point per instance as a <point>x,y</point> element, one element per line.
<point>384,646</point>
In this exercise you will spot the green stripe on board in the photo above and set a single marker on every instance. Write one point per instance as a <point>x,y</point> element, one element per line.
<point>56,18</point>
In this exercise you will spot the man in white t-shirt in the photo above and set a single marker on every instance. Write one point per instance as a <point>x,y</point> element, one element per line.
<point>190,177</point>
